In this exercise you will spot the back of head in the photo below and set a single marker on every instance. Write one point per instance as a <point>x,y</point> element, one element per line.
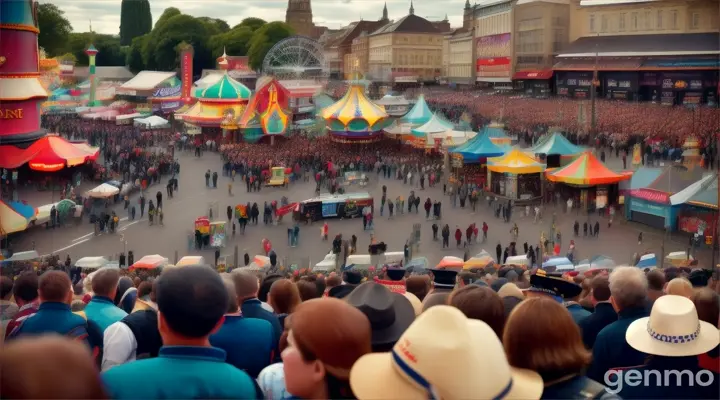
<point>265,286</point>
<point>284,296</point>
<point>707,303</point>
<point>105,282</point>
<point>332,281</point>
<point>628,287</point>
<point>246,284</point>
<point>144,289</point>
<point>435,299</point>
<point>481,303</point>
<point>191,300</point>
<point>466,277</point>
<point>308,290</point>
<point>419,285</point>
<point>680,287</point>
<point>55,286</point>
<point>600,287</point>
<point>232,305</point>
<point>50,367</point>
<point>6,287</point>
<point>656,280</point>
<point>26,287</point>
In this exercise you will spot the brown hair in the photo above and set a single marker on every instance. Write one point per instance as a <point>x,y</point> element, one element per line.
<point>337,348</point>
<point>308,290</point>
<point>656,280</point>
<point>480,303</point>
<point>145,288</point>
<point>54,286</point>
<point>50,367</point>
<point>6,288</point>
<point>419,285</point>
<point>332,281</point>
<point>540,335</point>
<point>284,296</point>
<point>600,287</point>
<point>105,281</point>
<point>707,304</point>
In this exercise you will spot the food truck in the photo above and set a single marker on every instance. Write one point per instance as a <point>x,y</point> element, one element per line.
<point>277,177</point>
<point>349,205</point>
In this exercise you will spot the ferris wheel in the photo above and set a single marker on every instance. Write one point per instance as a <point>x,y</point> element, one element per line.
<point>296,57</point>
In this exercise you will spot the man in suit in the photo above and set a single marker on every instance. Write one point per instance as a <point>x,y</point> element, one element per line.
<point>604,314</point>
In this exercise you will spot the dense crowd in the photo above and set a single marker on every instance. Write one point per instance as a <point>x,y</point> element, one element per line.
<point>504,332</point>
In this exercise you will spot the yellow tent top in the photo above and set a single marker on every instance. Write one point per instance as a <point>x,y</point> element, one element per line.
<point>515,162</point>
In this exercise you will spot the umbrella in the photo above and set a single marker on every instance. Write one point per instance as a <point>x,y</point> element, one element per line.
<point>480,260</point>
<point>27,211</point>
<point>679,258</point>
<point>647,261</point>
<point>556,261</point>
<point>63,207</point>
<point>10,220</point>
<point>450,262</point>
<point>417,265</point>
<point>260,262</point>
<point>190,260</point>
<point>91,262</point>
<point>150,262</point>
<point>103,191</point>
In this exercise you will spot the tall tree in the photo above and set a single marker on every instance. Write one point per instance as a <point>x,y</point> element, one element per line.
<point>251,22</point>
<point>166,15</point>
<point>109,50</point>
<point>54,29</point>
<point>134,60</point>
<point>264,39</point>
<point>160,51</point>
<point>215,26</point>
<point>236,42</point>
<point>135,20</point>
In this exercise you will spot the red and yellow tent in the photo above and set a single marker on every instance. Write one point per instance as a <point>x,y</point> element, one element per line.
<point>586,170</point>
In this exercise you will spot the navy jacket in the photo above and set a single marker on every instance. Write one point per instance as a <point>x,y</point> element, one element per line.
<point>671,388</point>
<point>248,342</point>
<point>611,350</point>
<point>603,316</point>
<point>252,308</point>
<point>53,317</point>
<point>577,312</point>
<point>180,372</point>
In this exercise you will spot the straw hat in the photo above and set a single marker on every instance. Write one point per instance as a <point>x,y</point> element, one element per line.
<point>673,329</point>
<point>442,355</point>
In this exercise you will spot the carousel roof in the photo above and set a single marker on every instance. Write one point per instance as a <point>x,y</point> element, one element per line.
<point>48,154</point>
<point>586,170</point>
<point>226,89</point>
<point>515,162</point>
<point>419,114</point>
<point>354,105</point>
<point>436,124</point>
<point>18,89</point>
<point>209,114</point>
<point>555,144</point>
<point>479,147</point>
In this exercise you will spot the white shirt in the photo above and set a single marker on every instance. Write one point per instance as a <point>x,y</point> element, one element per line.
<point>119,345</point>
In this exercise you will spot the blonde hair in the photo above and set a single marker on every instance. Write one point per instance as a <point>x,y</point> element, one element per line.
<point>680,287</point>
<point>628,286</point>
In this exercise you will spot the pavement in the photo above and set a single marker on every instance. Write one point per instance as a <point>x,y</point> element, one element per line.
<point>194,199</point>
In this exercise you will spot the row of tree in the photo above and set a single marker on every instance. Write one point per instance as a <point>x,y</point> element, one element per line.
<point>158,49</point>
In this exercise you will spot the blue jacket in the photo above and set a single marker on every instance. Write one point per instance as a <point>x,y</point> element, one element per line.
<point>611,350</point>
<point>669,388</point>
<point>248,342</point>
<point>603,316</point>
<point>577,312</point>
<point>102,311</point>
<point>252,308</point>
<point>180,372</point>
<point>53,317</point>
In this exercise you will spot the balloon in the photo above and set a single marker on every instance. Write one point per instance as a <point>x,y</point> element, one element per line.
<point>267,246</point>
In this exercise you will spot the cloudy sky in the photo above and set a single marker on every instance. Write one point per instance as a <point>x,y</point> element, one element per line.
<point>105,14</point>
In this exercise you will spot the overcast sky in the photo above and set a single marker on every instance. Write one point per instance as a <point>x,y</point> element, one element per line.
<point>105,14</point>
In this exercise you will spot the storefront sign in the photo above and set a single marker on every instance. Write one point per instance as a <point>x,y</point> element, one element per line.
<point>625,84</point>
<point>650,195</point>
<point>7,113</point>
<point>693,223</point>
<point>494,56</point>
<point>648,208</point>
<point>167,91</point>
<point>170,105</point>
<point>612,83</point>
<point>696,85</point>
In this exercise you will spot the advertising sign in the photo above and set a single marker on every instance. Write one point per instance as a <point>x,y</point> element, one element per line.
<point>494,56</point>
<point>186,67</point>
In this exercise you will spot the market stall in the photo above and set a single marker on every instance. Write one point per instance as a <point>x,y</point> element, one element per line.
<point>553,148</point>
<point>515,176</point>
<point>347,205</point>
<point>154,261</point>
<point>48,154</point>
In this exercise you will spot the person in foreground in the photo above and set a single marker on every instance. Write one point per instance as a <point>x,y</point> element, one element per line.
<point>191,304</point>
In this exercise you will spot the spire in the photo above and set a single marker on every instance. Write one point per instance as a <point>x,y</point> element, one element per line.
<point>412,8</point>
<point>385,13</point>
<point>467,4</point>
<point>446,18</point>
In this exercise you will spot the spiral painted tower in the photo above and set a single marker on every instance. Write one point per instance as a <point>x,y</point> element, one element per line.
<point>21,92</point>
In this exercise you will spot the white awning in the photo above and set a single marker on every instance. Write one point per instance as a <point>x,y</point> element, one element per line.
<point>684,195</point>
<point>494,80</point>
<point>146,80</point>
<point>152,121</point>
<point>128,116</point>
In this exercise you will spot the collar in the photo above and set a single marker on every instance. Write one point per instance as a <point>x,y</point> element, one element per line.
<point>193,352</point>
<point>632,313</point>
<point>32,304</point>
<point>54,305</point>
<point>101,299</point>
<point>253,300</point>
<point>394,286</point>
<point>569,304</point>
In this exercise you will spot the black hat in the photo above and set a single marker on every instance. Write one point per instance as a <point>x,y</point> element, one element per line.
<point>395,273</point>
<point>553,285</point>
<point>700,277</point>
<point>341,291</point>
<point>498,283</point>
<point>390,314</point>
<point>444,278</point>
<point>352,277</point>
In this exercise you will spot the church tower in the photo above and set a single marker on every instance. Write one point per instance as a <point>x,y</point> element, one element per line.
<point>385,14</point>
<point>412,8</point>
<point>468,16</point>
<point>299,17</point>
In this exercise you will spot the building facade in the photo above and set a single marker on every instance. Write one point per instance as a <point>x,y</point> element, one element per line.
<point>493,36</point>
<point>458,66</point>
<point>357,59</point>
<point>407,51</point>
<point>664,51</point>
<point>300,18</point>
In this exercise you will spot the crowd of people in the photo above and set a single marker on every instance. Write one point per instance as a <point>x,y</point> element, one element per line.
<point>494,332</point>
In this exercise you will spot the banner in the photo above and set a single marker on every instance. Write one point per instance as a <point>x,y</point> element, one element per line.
<point>494,56</point>
<point>186,68</point>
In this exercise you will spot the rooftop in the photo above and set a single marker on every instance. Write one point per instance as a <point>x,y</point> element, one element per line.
<point>644,45</point>
<point>408,24</point>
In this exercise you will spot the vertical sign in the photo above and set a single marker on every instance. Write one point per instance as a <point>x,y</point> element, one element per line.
<point>494,56</point>
<point>186,71</point>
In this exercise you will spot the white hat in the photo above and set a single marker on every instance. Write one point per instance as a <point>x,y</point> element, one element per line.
<point>444,355</point>
<point>673,329</point>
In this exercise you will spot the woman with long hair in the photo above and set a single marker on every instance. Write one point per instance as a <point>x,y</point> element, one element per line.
<point>283,297</point>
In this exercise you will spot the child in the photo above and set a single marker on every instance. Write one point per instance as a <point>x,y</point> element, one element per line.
<point>325,231</point>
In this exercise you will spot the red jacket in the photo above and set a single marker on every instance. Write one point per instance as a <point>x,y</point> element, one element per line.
<point>25,311</point>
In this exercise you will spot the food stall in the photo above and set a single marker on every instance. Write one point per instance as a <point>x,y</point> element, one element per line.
<point>217,234</point>
<point>277,177</point>
<point>202,225</point>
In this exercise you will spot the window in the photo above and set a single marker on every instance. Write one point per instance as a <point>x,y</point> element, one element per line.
<point>695,22</point>
<point>646,22</point>
<point>592,23</point>
<point>673,19</point>
<point>621,22</point>
<point>604,24</point>
<point>634,21</point>
<point>659,19</point>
